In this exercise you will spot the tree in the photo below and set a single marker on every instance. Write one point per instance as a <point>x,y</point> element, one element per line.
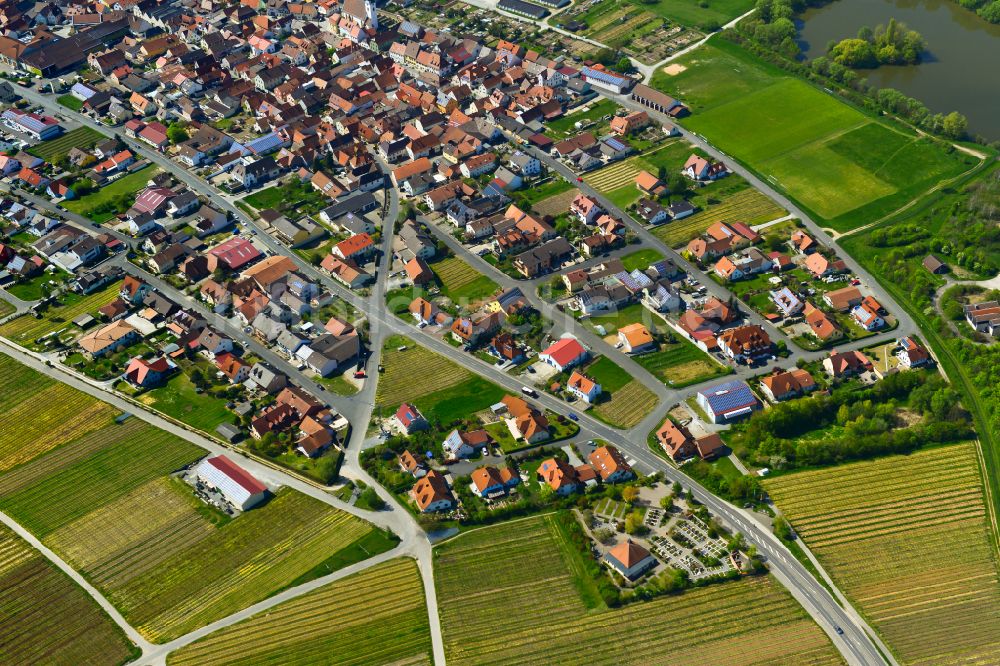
<point>369,499</point>
<point>782,529</point>
<point>177,133</point>
<point>624,65</point>
<point>667,502</point>
<point>954,125</point>
<point>634,523</point>
<point>630,494</point>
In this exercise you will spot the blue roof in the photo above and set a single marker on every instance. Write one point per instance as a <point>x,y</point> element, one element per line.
<point>607,77</point>
<point>615,143</point>
<point>264,144</point>
<point>728,396</point>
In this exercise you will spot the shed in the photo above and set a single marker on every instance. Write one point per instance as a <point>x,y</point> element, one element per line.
<point>230,432</point>
<point>934,265</point>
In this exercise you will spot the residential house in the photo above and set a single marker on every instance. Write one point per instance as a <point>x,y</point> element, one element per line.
<point>745,344</point>
<point>700,168</point>
<point>840,365</point>
<point>610,464</point>
<point>108,339</point>
<point>460,444</point>
<point>413,463</point>
<point>911,354</point>
<point>409,418</point>
<point>636,339</point>
<point>490,483</point>
<point>583,387</point>
<point>431,493</point>
<point>148,374</point>
<point>784,385</point>
<point>524,421</point>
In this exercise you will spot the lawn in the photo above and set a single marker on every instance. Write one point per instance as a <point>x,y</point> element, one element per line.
<point>70,102</point>
<point>641,259</point>
<point>54,149</point>
<point>557,185</point>
<point>461,283</point>
<point>53,620</point>
<point>630,314</point>
<point>293,198</point>
<point>907,540</point>
<point>838,162</point>
<point>98,204</point>
<point>376,616</point>
<point>178,398</point>
<point>25,330</point>
<point>31,289</point>
<point>531,565</point>
<point>565,126</point>
<point>103,500</point>
<point>681,364</point>
<point>617,180</point>
<point>440,388</point>
<point>267,198</point>
<point>5,308</point>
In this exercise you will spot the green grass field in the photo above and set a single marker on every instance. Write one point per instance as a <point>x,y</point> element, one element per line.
<point>608,374</point>
<point>5,308</point>
<point>374,617</point>
<point>908,540</point>
<point>128,185</point>
<point>441,389</point>
<point>70,102</point>
<point>179,399</point>
<point>101,497</point>
<point>53,149</point>
<point>836,161</point>
<point>26,329</point>
<point>46,619</point>
<point>641,259</point>
<point>461,283</point>
<point>624,400</point>
<point>549,613</point>
<point>561,127</point>
<point>266,198</point>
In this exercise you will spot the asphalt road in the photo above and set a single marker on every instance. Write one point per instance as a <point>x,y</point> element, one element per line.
<point>855,644</point>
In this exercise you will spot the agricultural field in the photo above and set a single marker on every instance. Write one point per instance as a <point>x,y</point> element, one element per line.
<point>119,195</point>
<point>841,164</point>
<point>907,539</point>
<point>325,626</point>
<point>678,364</point>
<point>46,618</point>
<point>440,388</point>
<point>30,431</point>
<point>529,565</point>
<point>25,330</point>
<point>617,180</point>
<point>624,401</point>
<point>554,204</point>
<point>749,206</point>
<point>461,283</point>
<point>104,501</point>
<point>54,149</point>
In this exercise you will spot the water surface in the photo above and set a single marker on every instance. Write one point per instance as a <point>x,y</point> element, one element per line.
<point>960,72</point>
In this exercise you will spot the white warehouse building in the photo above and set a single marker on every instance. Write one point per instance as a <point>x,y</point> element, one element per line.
<point>235,483</point>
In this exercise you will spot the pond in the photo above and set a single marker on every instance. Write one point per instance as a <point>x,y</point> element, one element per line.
<point>960,71</point>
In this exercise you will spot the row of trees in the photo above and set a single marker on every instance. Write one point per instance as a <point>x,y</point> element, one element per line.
<point>988,9</point>
<point>892,44</point>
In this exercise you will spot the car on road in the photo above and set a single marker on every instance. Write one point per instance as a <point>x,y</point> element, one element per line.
<point>839,630</point>
<point>574,416</point>
<point>855,282</point>
<point>579,180</point>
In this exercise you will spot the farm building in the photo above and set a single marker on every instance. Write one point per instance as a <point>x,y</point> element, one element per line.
<point>629,559</point>
<point>564,354</point>
<point>235,483</point>
<point>521,8</point>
